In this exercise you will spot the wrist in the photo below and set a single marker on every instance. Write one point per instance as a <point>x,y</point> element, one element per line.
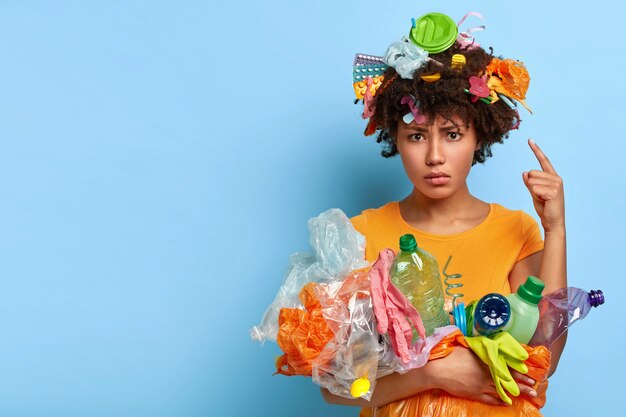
<point>431,371</point>
<point>555,230</point>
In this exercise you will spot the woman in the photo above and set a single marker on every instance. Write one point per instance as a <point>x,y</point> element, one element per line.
<point>442,118</point>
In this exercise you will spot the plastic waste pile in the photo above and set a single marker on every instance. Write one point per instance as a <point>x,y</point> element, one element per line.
<point>345,323</point>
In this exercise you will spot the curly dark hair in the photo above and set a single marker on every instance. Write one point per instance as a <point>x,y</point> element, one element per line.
<point>445,97</point>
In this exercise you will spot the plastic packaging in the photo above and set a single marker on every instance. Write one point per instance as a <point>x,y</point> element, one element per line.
<point>560,309</point>
<point>524,310</point>
<point>405,57</point>
<point>353,353</point>
<point>491,313</point>
<point>415,273</point>
<point>302,334</point>
<point>338,250</point>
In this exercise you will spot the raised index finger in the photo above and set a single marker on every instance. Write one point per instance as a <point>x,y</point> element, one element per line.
<point>541,157</point>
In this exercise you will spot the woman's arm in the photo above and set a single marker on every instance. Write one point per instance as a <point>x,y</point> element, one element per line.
<point>546,189</point>
<point>460,373</point>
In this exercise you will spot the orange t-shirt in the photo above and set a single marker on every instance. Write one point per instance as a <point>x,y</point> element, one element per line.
<point>484,255</point>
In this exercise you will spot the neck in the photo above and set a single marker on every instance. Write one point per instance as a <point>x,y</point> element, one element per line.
<point>422,207</point>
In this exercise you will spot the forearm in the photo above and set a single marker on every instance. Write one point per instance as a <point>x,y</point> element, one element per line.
<point>554,273</point>
<point>553,269</point>
<point>389,388</point>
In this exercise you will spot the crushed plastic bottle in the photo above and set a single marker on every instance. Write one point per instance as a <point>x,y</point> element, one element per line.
<point>560,309</point>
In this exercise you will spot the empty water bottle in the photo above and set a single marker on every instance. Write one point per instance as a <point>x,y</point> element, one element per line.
<point>415,273</point>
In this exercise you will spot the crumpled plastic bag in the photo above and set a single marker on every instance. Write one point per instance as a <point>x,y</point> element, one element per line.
<point>438,403</point>
<point>389,362</point>
<point>358,351</point>
<point>338,250</point>
<point>353,353</point>
<point>302,334</point>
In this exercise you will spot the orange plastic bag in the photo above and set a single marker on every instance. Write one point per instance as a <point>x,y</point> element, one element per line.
<point>302,334</point>
<point>438,403</point>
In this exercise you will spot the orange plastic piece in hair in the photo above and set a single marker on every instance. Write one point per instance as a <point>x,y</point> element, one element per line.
<point>512,79</point>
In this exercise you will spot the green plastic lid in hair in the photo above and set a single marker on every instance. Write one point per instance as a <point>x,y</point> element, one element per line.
<point>531,290</point>
<point>407,243</point>
<point>434,32</point>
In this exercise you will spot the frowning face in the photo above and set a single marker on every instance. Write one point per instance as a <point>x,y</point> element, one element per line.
<point>437,155</point>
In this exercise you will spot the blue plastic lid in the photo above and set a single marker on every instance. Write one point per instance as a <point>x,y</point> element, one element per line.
<point>491,314</point>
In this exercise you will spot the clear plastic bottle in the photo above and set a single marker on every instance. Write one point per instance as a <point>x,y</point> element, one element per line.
<point>524,310</point>
<point>560,309</point>
<point>415,273</point>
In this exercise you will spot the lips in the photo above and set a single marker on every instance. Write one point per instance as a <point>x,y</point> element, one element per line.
<point>437,175</point>
<point>437,178</point>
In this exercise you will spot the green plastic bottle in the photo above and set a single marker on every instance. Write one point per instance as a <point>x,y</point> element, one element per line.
<point>415,273</point>
<point>524,309</point>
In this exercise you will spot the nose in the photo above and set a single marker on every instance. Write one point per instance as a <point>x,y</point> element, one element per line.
<point>435,154</point>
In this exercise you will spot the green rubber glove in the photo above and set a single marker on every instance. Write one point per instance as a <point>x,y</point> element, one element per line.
<point>500,352</point>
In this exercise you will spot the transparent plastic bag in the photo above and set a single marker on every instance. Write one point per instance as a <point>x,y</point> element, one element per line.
<point>353,354</point>
<point>338,250</point>
<point>389,362</point>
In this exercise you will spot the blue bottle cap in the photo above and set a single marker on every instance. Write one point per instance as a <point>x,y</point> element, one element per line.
<point>491,314</point>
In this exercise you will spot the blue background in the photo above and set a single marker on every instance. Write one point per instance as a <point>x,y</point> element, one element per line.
<point>159,161</point>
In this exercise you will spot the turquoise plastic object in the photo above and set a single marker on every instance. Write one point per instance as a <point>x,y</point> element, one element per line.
<point>524,310</point>
<point>459,318</point>
<point>434,32</point>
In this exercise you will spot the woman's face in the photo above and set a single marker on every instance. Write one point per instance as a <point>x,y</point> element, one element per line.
<point>437,155</point>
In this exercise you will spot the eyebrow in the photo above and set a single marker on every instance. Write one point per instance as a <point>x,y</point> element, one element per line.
<point>420,128</point>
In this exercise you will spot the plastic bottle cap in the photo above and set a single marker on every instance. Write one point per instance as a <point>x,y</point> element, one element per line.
<point>531,290</point>
<point>407,243</point>
<point>596,298</point>
<point>434,32</point>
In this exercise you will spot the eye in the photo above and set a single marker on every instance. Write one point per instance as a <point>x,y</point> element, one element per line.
<point>454,136</point>
<point>416,137</point>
